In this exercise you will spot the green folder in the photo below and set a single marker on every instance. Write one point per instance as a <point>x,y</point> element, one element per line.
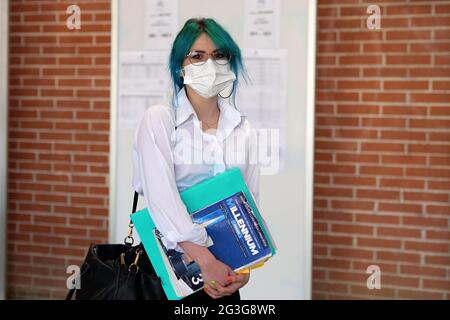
<point>195,198</point>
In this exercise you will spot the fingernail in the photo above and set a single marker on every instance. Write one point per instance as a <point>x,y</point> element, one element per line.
<point>213,283</point>
<point>206,285</point>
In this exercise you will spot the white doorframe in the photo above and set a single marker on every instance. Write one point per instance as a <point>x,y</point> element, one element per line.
<point>4,35</point>
<point>309,157</point>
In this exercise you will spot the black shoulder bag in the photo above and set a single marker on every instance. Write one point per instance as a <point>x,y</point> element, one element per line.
<point>118,272</point>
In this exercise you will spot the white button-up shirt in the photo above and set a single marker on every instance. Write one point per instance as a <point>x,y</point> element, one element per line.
<point>167,161</point>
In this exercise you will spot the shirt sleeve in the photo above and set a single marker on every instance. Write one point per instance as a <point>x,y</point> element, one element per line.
<point>154,178</point>
<point>253,170</point>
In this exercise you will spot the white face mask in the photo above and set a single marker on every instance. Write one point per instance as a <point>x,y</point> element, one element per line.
<point>209,79</point>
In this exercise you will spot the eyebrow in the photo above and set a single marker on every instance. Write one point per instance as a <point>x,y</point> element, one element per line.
<point>203,51</point>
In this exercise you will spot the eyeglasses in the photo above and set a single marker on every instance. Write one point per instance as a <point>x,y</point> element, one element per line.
<point>199,57</point>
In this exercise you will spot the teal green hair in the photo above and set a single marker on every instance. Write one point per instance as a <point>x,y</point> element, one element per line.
<point>184,40</point>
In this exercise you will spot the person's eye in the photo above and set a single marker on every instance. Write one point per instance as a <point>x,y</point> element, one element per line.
<point>219,55</point>
<point>196,56</point>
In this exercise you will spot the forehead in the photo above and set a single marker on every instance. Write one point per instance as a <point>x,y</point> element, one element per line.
<point>204,43</point>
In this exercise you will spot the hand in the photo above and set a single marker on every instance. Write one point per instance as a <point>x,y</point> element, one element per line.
<point>235,281</point>
<point>215,273</point>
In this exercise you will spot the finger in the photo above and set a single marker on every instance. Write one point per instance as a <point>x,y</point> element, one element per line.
<point>211,289</point>
<point>243,277</point>
<point>237,278</point>
<point>234,286</point>
<point>233,278</point>
<point>212,294</point>
<point>224,290</point>
<point>213,283</point>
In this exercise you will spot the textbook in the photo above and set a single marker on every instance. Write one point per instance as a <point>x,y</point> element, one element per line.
<point>237,234</point>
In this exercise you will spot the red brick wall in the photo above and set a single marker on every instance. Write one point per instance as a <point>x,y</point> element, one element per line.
<point>382,150</point>
<point>58,142</point>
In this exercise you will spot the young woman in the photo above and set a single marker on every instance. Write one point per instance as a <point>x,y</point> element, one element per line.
<point>196,137</point>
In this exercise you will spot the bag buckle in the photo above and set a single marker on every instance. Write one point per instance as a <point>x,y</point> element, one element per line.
<point>135,263</point>
<point>129,240</point>
<point>122,259</point>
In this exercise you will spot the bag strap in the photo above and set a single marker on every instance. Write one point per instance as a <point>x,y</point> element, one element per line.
<point>129,240</point>
<point>135,201</point>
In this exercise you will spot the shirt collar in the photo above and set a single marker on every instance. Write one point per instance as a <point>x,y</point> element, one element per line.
<point>183,108</point>
<point>230,117</point>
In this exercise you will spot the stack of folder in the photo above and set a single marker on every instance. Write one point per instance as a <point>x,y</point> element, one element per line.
<point>237,233</point>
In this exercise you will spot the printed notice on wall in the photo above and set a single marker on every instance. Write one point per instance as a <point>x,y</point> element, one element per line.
<point>143,82</point>
<point>264,102</point>
<point>262,24</point>
<point>161,23</point>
